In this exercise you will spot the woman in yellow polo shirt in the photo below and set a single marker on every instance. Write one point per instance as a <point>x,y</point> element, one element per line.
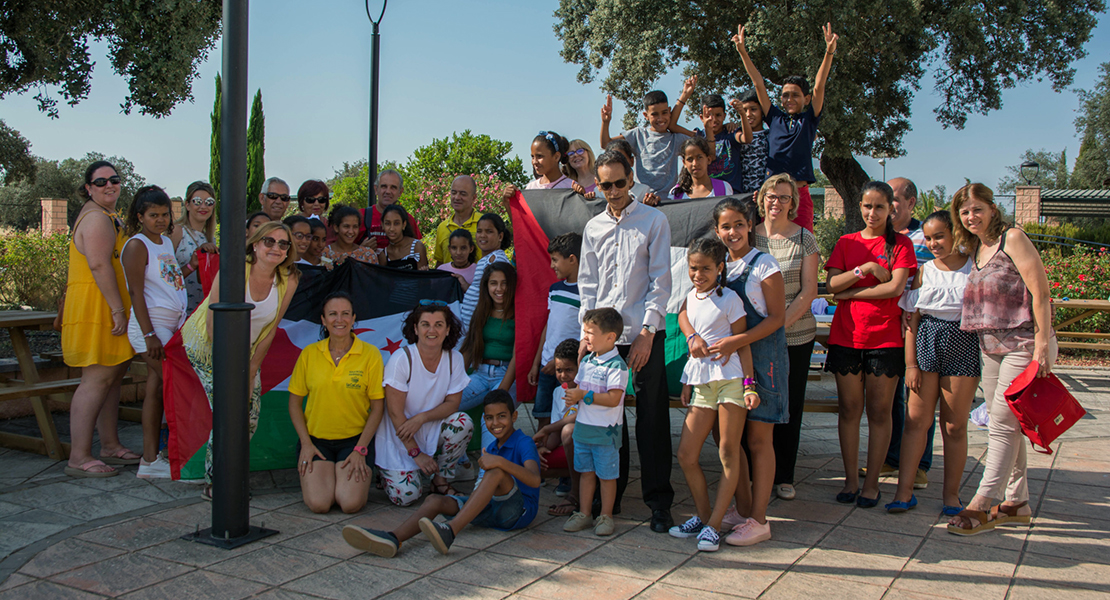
<point>342,377</point>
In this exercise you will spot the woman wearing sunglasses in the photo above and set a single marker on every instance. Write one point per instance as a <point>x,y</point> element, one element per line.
<point>580,168</point>
<point>94,324</point>
<point>196,231</point>
<point>313,200</point>
<point>271,281</point>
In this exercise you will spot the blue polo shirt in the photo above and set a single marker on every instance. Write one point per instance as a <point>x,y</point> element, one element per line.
<point>519,449</point>
<point>790,143</point>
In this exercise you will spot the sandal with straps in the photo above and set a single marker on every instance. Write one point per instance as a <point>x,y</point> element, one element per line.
<point>1008,515</point>
<point>445,489</point>
<point>967,527</point>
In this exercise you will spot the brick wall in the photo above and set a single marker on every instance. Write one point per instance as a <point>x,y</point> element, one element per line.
<point>54,217</point>
<point>1027,204</point>
<point>834,204</point>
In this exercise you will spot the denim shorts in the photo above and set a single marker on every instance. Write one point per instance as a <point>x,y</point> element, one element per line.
<point>602,459</point>
<point>502,512</point>
<point>545,388</point>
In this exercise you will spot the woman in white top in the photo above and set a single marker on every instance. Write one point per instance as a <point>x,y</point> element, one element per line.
<point>423,434</point>
<point>549,154</point>
<point>942,362</point>
<point>158,303</point>
<point>196,231</point>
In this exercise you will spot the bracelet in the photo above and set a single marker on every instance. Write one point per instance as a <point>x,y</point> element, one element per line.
<point>749,388</point>
<point>691,336</point>
<point>119,311</point>
<point>150,335</point>
<point>913,367</point>
<point>748,381</point>
<point>680,100</point>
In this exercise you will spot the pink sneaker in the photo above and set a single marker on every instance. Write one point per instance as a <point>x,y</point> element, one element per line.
<point>731,519</point>
<point>748,533</point>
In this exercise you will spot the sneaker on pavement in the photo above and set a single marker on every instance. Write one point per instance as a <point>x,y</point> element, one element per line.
<point>709,540</point>
<point>577,522</point>
<point>604,526</point>
<point>886,471</point>
<point>689,529</point>
<point>748,533</point>
<point>920,480</point>
<point>785,491</point>
<point>381,543</point>
<point>159,468</point>
<point>439,534</point>
<point>563,488</point>
<point>731,519</point>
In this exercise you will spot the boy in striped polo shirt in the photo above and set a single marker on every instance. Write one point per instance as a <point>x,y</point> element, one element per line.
<point>602,380</point>
<point>562,320</point>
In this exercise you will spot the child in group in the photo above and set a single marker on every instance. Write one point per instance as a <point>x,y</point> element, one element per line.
<point>753,152</point>
<point>602,381</point>
<point>549,158</point>
<point>256,220</point>
<point>694,180</point>
<point>159,303</point>
<point>867,273</point>
<point>722,387</point>
<point>941,362</point>
<point>555,440</point>
<point>507,498</point>
<point>463,257</point>
<point>302,235</point>
<point>580,167</point>
<point>403,250</point>
<point>314,255</point>
<point>493,238</point>
<point>793,128</point>
<point>725,164</point>
<point>639,190</point>
<point>562,320</point>
<point>656,147</point>
<point>346,222</point>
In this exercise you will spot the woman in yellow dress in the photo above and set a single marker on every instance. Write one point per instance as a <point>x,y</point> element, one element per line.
<point>94,326</point>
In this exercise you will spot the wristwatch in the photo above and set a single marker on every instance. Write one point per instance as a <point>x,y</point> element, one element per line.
<point>414,452</point>
<point>858,273</point>
<point>363,451</point>
<point>651,329</point>
<point>588,398</point>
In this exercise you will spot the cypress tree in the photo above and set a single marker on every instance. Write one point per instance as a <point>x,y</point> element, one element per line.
<point>214,161</point>
<point>256,150</point>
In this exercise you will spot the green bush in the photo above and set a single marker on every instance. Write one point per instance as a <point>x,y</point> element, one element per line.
<point>1092,232</point>
<point>33,269</point>
<point>827,232</point>
<point>1085,274</point>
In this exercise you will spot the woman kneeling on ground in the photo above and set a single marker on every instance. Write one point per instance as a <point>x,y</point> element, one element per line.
<point>342,377</point>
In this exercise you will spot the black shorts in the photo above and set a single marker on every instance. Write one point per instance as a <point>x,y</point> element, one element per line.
<point>337,451</point>
<point>944,349</point>
<point>884,362</point>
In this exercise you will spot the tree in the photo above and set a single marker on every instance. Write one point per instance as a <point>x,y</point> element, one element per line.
<point>214,151</point>
<point>974,49</point>
<point>1051,175</point>
<point>1092,167</point>
<point>256,152</point>
<point>466,153</point>
<point>15,155</point>
<point>60,179</point>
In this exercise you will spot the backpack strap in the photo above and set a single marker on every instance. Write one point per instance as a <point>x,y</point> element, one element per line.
<point>450,362</point>
<point>408,356</point>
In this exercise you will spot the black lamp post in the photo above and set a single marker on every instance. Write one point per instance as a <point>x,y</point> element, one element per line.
<point>1028,167</point>
<point>375,55</point>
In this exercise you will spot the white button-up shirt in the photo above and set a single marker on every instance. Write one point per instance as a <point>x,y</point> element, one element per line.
<point>626,265</point>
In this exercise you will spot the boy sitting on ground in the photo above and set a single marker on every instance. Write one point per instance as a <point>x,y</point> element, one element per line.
<point>506,498</point>
<point>555,440</point>
<point>656,148</point>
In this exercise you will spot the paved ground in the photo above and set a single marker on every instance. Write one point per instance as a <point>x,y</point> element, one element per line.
<point>65,538</point>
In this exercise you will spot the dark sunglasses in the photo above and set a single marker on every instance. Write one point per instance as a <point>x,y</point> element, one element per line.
<point>433,303</point>
<point>607,185</point>
<point>576,152</point>
<point>273,196</point>
<point>197,201</point>
<point>101,181</point>
<point>316,200</point>
<point>269,243</point>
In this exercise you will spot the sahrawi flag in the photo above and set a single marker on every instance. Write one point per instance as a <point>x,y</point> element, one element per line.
<point>382,298</point>
<point>541,215</point>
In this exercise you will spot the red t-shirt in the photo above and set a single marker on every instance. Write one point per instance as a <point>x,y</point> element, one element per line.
<point>868,324</point>
<point>375,228</point>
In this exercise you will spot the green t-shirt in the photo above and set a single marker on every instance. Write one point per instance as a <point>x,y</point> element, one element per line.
<point>499,336</point>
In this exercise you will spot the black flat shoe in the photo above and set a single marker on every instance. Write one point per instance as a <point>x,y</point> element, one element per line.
<point>847,497</point>
<point>868,502</point>
<point>661,521</point>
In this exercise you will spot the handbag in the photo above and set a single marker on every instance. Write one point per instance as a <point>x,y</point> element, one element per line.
<point>1043,406</point>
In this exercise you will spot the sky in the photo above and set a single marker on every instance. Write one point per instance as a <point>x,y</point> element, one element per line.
<point>492,67</point>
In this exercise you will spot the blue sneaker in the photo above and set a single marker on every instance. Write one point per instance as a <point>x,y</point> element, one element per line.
<point>709,540</point>
<point>688,529</point>
<point>563,488</point>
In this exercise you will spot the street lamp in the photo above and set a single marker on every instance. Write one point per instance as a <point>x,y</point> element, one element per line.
<point>375,53</point>
<point>1027,167</point>
<point>882,162</point>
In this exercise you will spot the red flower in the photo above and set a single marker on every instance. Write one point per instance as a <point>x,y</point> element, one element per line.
<point>1082,278</point>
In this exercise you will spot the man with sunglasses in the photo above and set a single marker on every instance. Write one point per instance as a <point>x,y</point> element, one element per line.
<point>626,264</point>
<point>274,198</point>
<point>387,189</point>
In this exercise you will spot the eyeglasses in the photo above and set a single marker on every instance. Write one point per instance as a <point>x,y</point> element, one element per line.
<point>273,196</point>
<point>301,236</point>
<point>197,201</point>
<point>576,152</point>
<point>779,199</point>
<point>433,303</point>
<point>607,185</point>
<point>269,243</point>
<point>102,181</point>
<point>316,200</point>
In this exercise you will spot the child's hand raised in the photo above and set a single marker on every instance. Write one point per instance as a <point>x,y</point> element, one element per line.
<point>688,87</point>
<point>830,39</point>
<point>738,39</point>
<point>607,109</point>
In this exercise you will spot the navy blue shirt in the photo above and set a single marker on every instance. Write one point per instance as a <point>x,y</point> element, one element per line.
<point>519,449</point>
<point>790,143</point>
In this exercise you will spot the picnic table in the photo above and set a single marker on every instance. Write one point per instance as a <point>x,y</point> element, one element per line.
<point>17,322</point>
<point>1086,341</point>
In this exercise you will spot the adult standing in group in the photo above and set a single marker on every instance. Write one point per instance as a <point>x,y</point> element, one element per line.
<point>423,433</point>
<point>387,189</point>
<point>94,325</point>
<point>1006,303</point>
<point>196,230</point>
<point>271,279</point>
<point>274,198</point>
<point>795,248</point>
<point>464,191</point>
<point>626,265</point>
<point>313,199</point>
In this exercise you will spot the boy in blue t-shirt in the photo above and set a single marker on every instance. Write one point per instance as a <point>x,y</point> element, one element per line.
<point>562,320</point>
<point>792,129</point>
<point>655,147</point>
<point>507,497</point>
<point>753,154</point>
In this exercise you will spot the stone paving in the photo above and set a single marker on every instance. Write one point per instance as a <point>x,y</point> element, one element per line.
<point>119,537</point>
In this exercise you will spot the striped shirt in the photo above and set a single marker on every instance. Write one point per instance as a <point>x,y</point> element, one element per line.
<point>470,300</point>
<point>599,374</point>
<point>562,318</point>
<point>790,252</point>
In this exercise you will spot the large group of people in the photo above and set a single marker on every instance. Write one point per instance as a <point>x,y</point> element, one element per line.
<point>925,313</point>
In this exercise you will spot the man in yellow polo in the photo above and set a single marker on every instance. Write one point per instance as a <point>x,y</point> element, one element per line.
<point>463,192</point>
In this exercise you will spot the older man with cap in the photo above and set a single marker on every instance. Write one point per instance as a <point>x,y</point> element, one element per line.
<point>463,194</point>
<point>387,190</point>
<point>274,198</point>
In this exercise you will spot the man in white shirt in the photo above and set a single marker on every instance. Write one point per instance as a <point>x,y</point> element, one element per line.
<point>625,264</point>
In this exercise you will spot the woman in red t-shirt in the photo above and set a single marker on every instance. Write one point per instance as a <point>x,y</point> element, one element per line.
<point>867,273</point>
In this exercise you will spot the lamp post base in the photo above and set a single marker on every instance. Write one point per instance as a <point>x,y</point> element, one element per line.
<point>204,536</point>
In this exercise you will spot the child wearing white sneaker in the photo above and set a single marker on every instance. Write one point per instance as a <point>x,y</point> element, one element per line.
<point>712,313</point>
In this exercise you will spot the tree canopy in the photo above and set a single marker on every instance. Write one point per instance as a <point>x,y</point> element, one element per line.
<point>973,50</point>
<point>466,153</point>
<point>1092,166</point>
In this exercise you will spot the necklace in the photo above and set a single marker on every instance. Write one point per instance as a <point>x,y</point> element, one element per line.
<point>707,294</point>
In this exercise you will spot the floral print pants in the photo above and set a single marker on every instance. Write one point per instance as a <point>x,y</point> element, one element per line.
<point>404,487</point>
<point>205,376</point>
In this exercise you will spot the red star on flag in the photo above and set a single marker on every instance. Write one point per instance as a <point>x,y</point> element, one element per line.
<point>392,346</point>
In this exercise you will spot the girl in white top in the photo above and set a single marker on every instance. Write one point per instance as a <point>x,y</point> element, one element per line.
<point>942,362</point>
<point>549,154</point>
<point>158,305</point>
<point>714,313</point>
